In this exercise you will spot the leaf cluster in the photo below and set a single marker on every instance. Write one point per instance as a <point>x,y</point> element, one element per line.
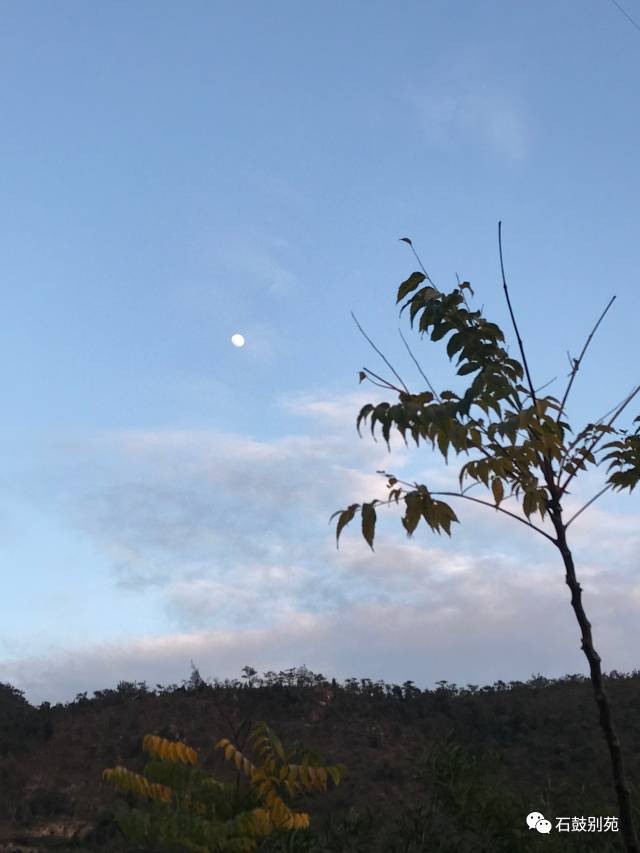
<point>515,436</point>
<point>192,809</point>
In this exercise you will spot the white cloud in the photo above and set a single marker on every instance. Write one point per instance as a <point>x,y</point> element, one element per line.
<point>233,533</point>
<point>484,624</point>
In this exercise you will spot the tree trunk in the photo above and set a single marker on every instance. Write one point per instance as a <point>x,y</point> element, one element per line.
<point>617,765</point>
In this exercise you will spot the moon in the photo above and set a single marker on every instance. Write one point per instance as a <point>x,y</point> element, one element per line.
<point>237,340</point>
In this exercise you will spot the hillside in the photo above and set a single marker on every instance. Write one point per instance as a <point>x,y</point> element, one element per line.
<point>448,769</point>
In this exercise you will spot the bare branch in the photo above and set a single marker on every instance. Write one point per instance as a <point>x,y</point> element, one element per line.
<point>544,462</point>
<point>612,409</point>
<point>466,304</point>
<point>513,319</point>
<point>577,362</point>
<point>431,388</point>
<point>379,353</point>
<point>588,503</point>
<point>499,508</point>
<point>543,386</point>
<point>429,279</point>
<point>387,385</point>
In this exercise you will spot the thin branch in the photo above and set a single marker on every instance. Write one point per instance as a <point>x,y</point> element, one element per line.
<point>612,409</point>
<point>543,386</point>
<point>475,500</point>
<point>618,412</point>
<point>429,279</point>
<point>499,508</point>
<point>577,362</point>
<point>416,485</point>
<point>466,304</point>
<point>544,462</point>
<point>588,503</point>
<point>462,491</point>
<point>491,506</point>
<point>387,385</point>
<point>379,353</point>
<point>431,388</point>
<point>513,319</point>
<point>626,14</point>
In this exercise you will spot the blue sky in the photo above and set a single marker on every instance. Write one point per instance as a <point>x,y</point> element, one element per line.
<point>175,173</point>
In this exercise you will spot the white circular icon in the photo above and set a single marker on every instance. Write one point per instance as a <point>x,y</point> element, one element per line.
<point>538,821</point>
<point>237,340</point>
<point>533,818</point>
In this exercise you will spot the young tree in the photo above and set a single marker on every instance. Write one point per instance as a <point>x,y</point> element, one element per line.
<point>524,448</point>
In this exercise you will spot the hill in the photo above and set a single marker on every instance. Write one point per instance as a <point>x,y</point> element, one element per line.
<point>452,769</point>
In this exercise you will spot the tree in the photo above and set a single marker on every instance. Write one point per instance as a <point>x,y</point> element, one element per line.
<point>524,447</point>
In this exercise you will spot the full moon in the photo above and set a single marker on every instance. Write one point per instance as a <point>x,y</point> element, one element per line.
<point>237,340</point>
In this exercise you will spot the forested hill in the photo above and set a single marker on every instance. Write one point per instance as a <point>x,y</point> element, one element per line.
<point>447,769</point>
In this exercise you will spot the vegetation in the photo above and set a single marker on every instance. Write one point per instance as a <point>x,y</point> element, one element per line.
<point>198,813</point>
<point>524,448</point>
<point>449,769</point>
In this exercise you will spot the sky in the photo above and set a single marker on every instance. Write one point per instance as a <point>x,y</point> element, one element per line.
<point>176,173</point>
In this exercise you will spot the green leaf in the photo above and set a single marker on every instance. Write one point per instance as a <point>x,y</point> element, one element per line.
<point>470,367</point>
<point>492,331</point>
<point>495,406</point>
<point>542,498</point>
<point>443,444</point>
<point>455,343</point>
<point>441,330</point>
<point>625,480</point>
<point>482,471</point>
<point>364,411</point>
<point>379,414</point>
<point>386,428</point>
<point>345,517</point>
<point>604,428</point>
<point>419,301</point>
<point>475,437</point>
<point>497,489</point>
<point>444,515</point>
<point>410,284</point>
<point>368,523</point>
<point>414,510</point>
<point>612,444</point>
<point>529,503</point>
